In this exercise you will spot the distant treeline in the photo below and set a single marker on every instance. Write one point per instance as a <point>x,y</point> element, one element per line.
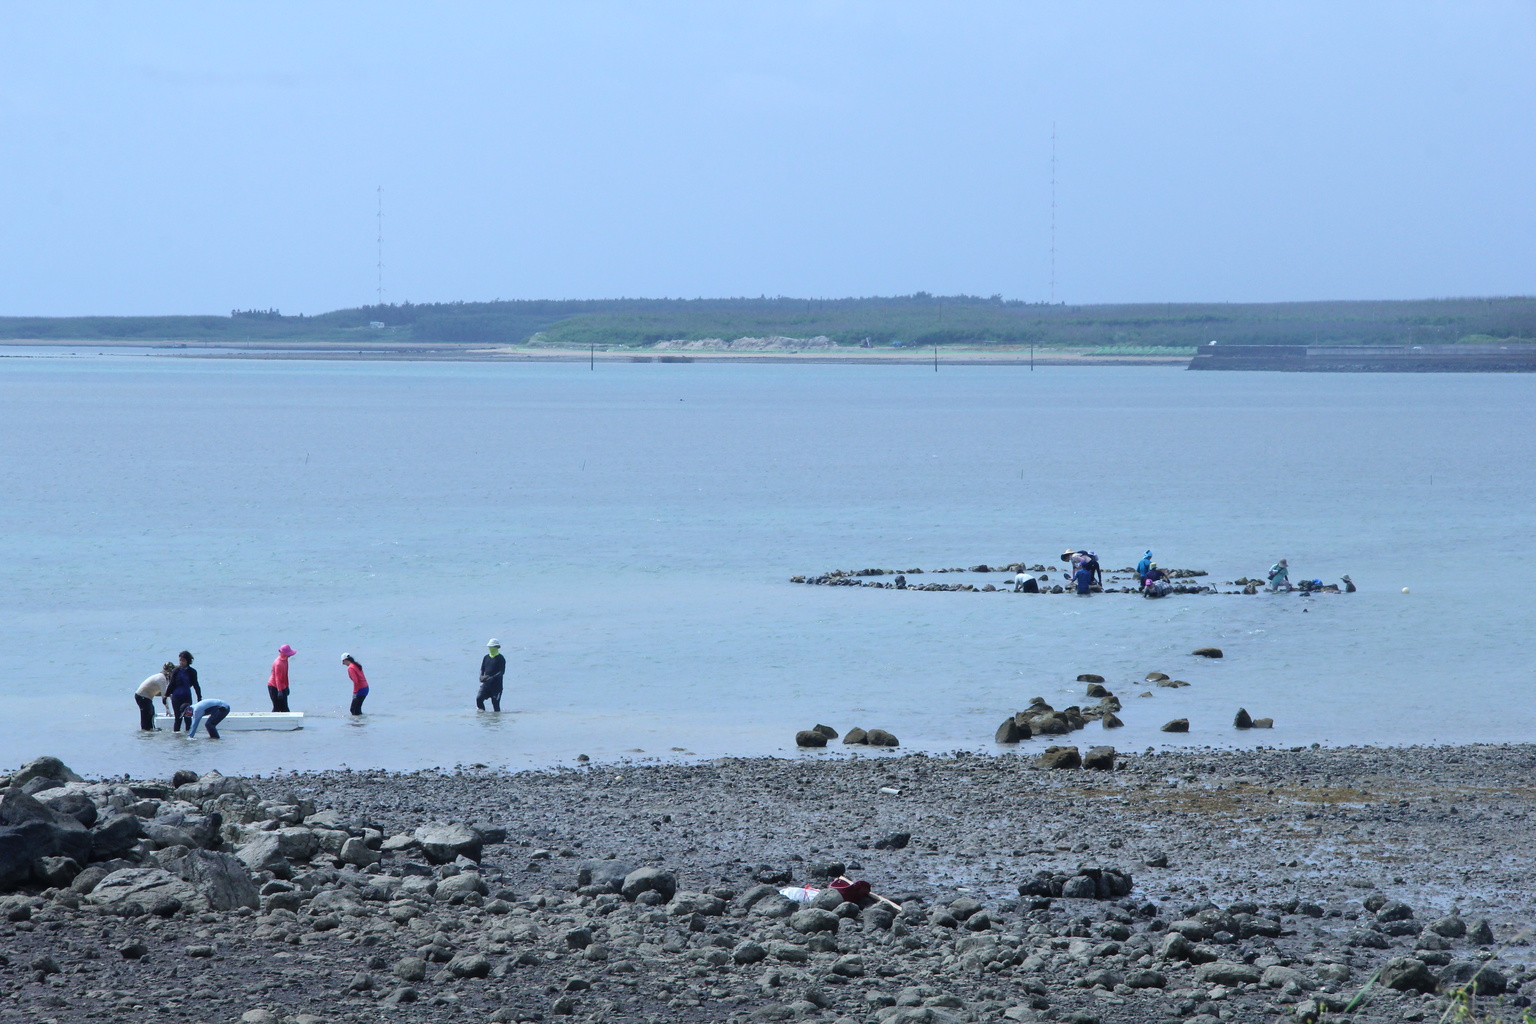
<point>920,320</point>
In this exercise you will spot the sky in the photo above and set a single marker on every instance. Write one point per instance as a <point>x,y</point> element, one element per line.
<point>195,158</point>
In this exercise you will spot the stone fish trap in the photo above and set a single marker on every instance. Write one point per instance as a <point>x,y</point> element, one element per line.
<point>1126,577</point>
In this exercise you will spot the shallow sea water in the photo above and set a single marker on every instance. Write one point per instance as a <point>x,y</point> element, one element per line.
<point>628,532</point>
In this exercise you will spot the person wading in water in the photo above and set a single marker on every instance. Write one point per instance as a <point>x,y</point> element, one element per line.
<point>359,682</point>
<point>277,682</point>
<point>492,667</point>
<point>183,685</point>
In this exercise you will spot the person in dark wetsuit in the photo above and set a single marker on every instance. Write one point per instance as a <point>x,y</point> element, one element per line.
<point>183,685</point>
<point>492,667</point>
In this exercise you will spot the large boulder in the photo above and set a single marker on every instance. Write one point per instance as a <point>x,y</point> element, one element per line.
<point>151,890</point>
<point>1407,974</point>
<point>607,875</point>
<point>1060,757</point>
<point>1177,725</point>
<point>43,768</point>
<point>52,834</point>
<point>441,842</point>
<point>856,736</point>
<point>1008,732</point>
<point>214,785</point>
<point>810,738</point>
<point>647,879</point>
<point>263,852</point>
<point>18,852</point>
<point>1207,652</point>
<point>881,738</point>
<point>1100,759</point>
<point>73,803</point>
<point>1242,720</point>
<point>115,833</point>
<point>1476,977</point>
<point>222,879</point>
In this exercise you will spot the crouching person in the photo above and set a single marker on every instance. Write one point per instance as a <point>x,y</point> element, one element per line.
<point>210,712</point>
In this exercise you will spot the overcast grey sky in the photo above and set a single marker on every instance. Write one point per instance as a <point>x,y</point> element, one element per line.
<point>177,158</point>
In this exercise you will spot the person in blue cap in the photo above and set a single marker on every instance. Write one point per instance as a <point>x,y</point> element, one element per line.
<point>1143,565</point>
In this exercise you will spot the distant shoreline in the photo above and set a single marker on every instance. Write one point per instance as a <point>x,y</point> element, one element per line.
<point>513,354</point>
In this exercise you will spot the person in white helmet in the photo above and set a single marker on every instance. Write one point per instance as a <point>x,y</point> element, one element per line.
<point>492,667</point>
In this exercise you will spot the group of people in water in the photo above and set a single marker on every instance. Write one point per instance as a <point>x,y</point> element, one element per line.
<point>176,684</point>
<point>1085,574</point>
<point>180,693</point>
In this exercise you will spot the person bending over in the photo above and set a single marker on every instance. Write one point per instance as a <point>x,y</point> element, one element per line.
<point>359,682</point>
<point>211,711</point>
<point>149,689</point>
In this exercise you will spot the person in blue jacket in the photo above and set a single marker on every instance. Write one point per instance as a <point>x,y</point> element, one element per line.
<point>1083,577</point>
<point>183,685</point>
<point>1143,565</point>
<point>211,711</point>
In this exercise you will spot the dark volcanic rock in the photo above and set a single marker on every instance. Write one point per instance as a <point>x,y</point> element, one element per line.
<point>1177,725</point>
<point>1008,732</point>
<point>856,736</point>
<point>1208,652</point>
<point>1100,758</point>
<point>1242,720</point>
<point>810,738</point>
<point>826,730</point>
<point>649,880</point>
<point>881,738</point>
<point>1060,757</point>
<point>1405,974</point>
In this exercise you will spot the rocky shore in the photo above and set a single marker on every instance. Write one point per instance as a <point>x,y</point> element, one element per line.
<point>1278,885</point>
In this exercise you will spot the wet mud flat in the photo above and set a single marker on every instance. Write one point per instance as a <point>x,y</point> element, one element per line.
<point>1360,883</point>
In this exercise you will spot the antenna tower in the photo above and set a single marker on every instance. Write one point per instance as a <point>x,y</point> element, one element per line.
<point>1053,212</point>
<point>380,265</point>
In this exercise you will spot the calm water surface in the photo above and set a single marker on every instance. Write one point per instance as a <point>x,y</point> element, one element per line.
<point>628,533</point>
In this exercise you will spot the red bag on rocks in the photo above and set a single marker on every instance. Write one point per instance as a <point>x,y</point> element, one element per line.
<point>851,891</point>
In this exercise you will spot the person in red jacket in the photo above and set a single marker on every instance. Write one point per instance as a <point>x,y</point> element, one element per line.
<point>277,682</point>
<point>359,682</point>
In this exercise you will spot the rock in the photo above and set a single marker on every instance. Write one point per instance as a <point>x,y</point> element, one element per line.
<point>1207,652</point>
<point>1406,974</point>
<point>441,842</point>
<point>1008,732</point>
<point>607,875</point>
<point>1476,977</point>
<point>812,920</point>
<point>1225,972</point>
<point>1100,759</point>
<point>788,952</point>
<point>1279,976</point>
<point>1242,720</point>
<point>134,950</point>
<point>115,833</point>
<point>1060,757</point>
<point>199,952</point>
<point>148,888</point>
<point>355,851</point>
<point>470,965</point>
<point>213,785</point>
<point>165,837</point>
<point>1480,934</point>
<point>747,952</point>
<point>810,738</point>
<point>1110,720</point>
<point>1263,723</point>
<point>1155,677</point>
<point>86,880</point>
<point>856,735</point>
<point>18,852</point>
<point>648,880</point>
<point>75,804</point>
<point>1146,979</point>
<point>1096,690</point>
<point>881,738</point>
<point>56,872</point>
<point>1393,910</point>
<point>894,841</point>
<point>826,730</point>
<point>1177,725</point>
<point>1080,888</point>
<point>263,852</point>
<point>43,768</point>
<point>1451,927</point>
<point>461,885</point>
<point>1089,677</point>
<point>259,1015</point>
<point>411,968</point>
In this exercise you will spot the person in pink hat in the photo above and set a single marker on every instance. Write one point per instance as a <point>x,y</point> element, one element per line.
<point>277,683</point>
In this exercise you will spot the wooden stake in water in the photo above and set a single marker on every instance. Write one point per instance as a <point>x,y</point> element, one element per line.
<point>591,357</point>
<point>935,359</point>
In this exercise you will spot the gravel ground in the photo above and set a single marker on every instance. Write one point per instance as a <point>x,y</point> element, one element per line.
<point>1265,885</point>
